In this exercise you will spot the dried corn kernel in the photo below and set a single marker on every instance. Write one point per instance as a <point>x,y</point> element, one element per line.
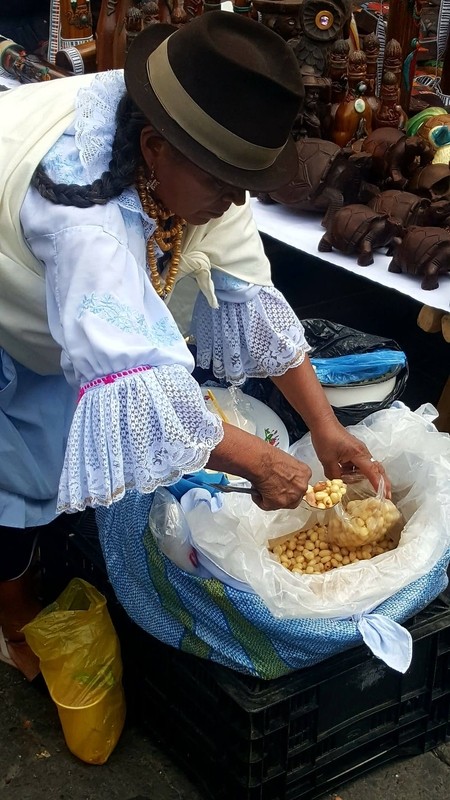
<point>326,494</point>
<point>366,522</point>
<point>308,559</point>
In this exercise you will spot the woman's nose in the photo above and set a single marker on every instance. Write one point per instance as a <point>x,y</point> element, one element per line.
<point>234,195</point>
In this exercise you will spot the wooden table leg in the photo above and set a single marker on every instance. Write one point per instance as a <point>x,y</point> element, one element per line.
<point>445,327</point>
<point>430,319</point>
<point>434,320</point>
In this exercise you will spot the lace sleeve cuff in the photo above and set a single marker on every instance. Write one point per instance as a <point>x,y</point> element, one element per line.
<point>254,339</point>
<point>135,431</point>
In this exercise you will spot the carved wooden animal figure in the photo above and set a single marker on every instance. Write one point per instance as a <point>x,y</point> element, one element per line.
<point>406,207</point>
<point>424,252</point>
<point>328,176</point>
<point>427,121</point>
<point>356,228</point>
<point>431,181</point>
<point>410,209</point>
<point>395,156</point>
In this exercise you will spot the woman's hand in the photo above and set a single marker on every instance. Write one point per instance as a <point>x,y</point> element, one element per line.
<point>280,480</point>
<point>340,453</point>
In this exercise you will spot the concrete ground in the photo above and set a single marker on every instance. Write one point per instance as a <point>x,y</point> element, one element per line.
<point>36,765</point>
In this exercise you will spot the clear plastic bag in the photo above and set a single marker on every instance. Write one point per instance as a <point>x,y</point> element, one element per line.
<point>417,459</point>
<point>168,524</point>
<point>363,517</point>
<point>231,405</point>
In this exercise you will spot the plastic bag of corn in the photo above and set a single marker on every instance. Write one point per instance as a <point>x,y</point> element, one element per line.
<point>363,517</point>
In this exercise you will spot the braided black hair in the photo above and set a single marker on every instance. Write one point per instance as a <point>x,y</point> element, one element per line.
<point>126,157</point>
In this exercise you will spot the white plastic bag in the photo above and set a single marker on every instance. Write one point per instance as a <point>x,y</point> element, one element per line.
<point>417,459</point>
<point>170,529</point>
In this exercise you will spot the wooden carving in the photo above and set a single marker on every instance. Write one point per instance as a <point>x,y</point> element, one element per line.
<point>432,180</point>
<point>353,117</point>
<point>389,112</point>
<point>327,178</point>
<point>172,12</point>
<point>358,229</point>
<point>321,23</point>
<point>395,156</point>
<point>411,209</point>
<point>424,252</point>
<point>26,67</point>
<point>282,16</point>
<point>150,13</point>
<point>108,20</point>
<point>70,25</point>
<point>133,26</point>
<point>371,47</point>
<point>120,34</point>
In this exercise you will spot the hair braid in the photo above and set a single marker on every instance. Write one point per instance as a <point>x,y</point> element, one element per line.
<point>125,158</point>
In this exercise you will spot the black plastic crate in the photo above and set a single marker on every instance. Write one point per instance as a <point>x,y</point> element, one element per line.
<point>292,738</point>
<point>304,734</point>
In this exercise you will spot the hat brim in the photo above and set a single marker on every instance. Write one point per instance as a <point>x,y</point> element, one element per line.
<point>281,172</point>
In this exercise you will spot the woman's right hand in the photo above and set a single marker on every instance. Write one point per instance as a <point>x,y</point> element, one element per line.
<point>283,481</point>
<point>280,480</point>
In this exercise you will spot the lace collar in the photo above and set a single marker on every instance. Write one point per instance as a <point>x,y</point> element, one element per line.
<point>95,124</point>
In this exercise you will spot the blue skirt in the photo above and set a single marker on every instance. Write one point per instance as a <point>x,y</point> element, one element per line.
<point>35,416</point>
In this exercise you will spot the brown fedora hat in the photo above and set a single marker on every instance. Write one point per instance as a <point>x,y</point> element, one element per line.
<point>224,90</point>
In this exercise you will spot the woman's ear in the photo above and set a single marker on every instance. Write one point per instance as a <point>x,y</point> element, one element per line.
<point>151,143</point>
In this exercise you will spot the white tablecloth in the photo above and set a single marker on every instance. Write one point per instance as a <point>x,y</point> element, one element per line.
<point>304,231</point>
<point>7,80</point>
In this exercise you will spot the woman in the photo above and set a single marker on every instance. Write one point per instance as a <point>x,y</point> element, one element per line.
<point>120,180</point>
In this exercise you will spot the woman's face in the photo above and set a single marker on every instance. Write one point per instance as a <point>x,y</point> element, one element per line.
<point>184,188</point>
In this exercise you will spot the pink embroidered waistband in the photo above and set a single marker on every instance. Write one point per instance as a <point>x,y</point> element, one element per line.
<point>112,378</point>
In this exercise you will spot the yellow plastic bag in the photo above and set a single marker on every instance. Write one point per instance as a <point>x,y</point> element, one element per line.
<point>79,652</point>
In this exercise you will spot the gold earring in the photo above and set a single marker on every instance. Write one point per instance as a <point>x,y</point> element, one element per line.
<point>152,182</point>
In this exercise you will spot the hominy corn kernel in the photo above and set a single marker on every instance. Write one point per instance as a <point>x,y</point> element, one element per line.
<point>310,560</point>
<point>366,522</point>
<point>326,494</point>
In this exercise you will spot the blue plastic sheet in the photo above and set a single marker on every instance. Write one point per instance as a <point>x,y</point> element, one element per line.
<point>358,367</point>
<point>197,480</point>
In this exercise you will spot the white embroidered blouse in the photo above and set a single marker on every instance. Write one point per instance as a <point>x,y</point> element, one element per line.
<point>141,420</point>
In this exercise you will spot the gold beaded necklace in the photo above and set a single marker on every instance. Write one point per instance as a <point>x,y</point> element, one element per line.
<point>167,239</point>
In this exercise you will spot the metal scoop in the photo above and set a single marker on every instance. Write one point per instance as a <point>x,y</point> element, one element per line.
<point>227,487</point>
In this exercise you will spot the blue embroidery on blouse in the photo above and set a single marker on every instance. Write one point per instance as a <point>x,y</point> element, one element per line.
<point>162,332</point>
<point>63,164</point>
<point>223,281</point>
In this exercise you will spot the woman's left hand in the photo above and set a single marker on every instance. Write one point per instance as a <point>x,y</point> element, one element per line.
<point>336,448</point>
<point>340,452</point>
